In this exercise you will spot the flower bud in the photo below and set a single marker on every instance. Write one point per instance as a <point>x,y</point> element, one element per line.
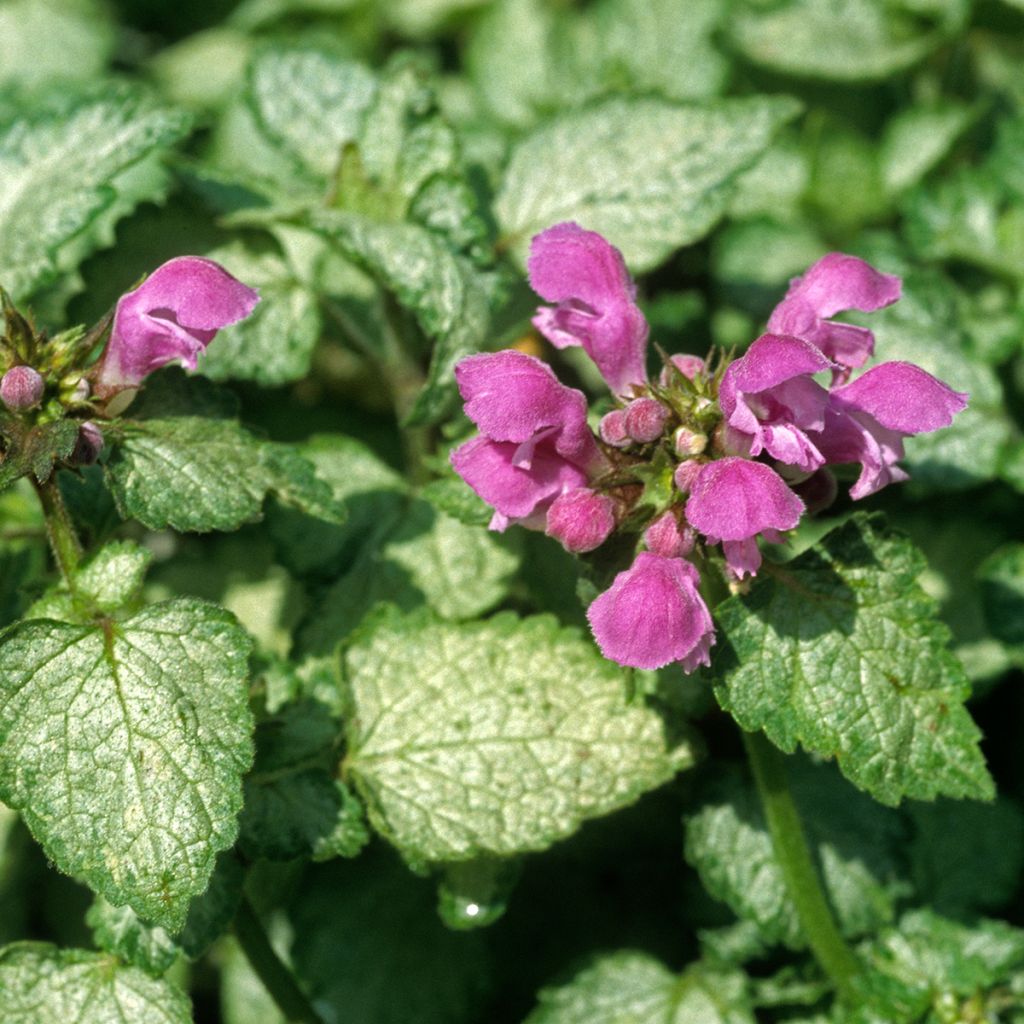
<point>645,419</point>
<point>581,519</point>
<point>688,442</point>
<point>686,473</point>
<point>21,388</point>
<point>688,366</point>
<point>665,537</point>
<point>612,429</point>
<point>88,445</point>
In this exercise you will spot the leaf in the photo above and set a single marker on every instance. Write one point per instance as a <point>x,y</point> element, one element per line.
<point>868,40</point>
<point>634,988</point>
<point>917,139</point>
<point>295,806</point>
<point>840,651</point>
<point>419,556</point>
<point>452,724</point>
<point>275,343</point>
<point>61,169</point>
<point>929,962</point>
<point>104,584</point>
<point>195,473</point>
<point>41,984</point>
<point>857,844</point>
<point>371,492</point>
<point>449,298</point>
<point>309,103</point>
<point>585,166</point>
<point>369,947</point>
<point>453,496</point>
<point>53,40</point>
<point>124,744</point>
<point>36,450</point>
<point>1002,593</point>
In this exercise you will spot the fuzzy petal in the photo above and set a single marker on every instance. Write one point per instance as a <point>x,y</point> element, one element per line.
<point>652,615</point>
<point>172,316</point>
<point>733,499</point>
<point>586,276</point>
<point>902,397</point>
<point>581,520</point>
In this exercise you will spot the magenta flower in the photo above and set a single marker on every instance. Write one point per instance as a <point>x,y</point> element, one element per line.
<point>668,538</point>
<point>733,500</point>
<point>653,615</point>
<point>586,276</point>
<point>535,441</point>
<point>835,283</point>
<point>171,317</point>
<point>581,520</point>
<point>769,396</point>
<point>868,418</point>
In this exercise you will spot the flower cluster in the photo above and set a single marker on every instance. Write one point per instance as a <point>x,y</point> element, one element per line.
<point>699,457</point>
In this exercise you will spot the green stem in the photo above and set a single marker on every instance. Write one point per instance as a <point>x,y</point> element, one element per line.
<point>798,871</point>
<point>63,539</point>
<point>277,979</point>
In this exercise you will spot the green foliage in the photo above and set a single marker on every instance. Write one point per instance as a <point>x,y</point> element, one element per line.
<point>633,988</point>
<point>62,168</point>
<point>40,984</point>
<point>839,651</point>
<point>123,745</point>
<point>526,712</point>
<point>682,162</point>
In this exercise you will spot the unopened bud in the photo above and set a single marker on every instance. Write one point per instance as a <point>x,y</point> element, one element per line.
<point>689,442</point>
<point>21,388</point>
<point>88,445</point>
<point>685,474</point>
<point>612,429</point>
<point>645,419</point>
<point>688,366</point>
<point>581,520</point>
<point>667,538</point>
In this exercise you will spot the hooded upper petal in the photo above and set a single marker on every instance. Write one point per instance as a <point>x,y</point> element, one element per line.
<point>512,396</point>
<point>653,615</point>
<point>586,276</point>
<point>172,316</point>
<point>835,283</point>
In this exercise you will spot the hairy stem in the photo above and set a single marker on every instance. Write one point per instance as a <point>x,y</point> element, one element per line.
<point>277,979</point>
<point>61,531</point>
<point>794,857</point>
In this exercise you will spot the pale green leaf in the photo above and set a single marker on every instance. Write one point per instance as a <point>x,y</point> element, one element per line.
<point>452,725</point>
<point>842,40</point>
<point>41,984</point>
<point>917,139</point>
<point>858,846</point>
<point>840,651</point>
<point>44,41</point>
<point>1002,593</point>
<point>60,170</point>
<point>124,744</point>
<point>648,174</point>
<point>634,988</point>
<point>122,933</point>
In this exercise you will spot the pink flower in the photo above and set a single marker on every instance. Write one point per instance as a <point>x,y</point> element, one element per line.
<point>868,418</point>
<point>835,283</point>
<point>172,316</point>
<point>666,537</point>
<point>596,308</point>
<point>769,395</point>
<point>535,441</point>
<point>581,520</point>
<point>21,387</point>
<point>733,500</point>
<point>653,615</point>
